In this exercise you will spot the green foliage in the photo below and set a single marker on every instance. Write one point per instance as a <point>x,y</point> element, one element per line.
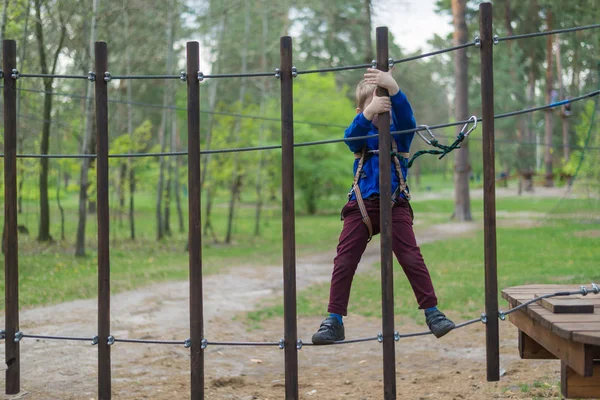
<point>321,171</point>
<point>584,164</point>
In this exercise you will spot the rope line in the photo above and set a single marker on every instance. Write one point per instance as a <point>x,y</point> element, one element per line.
<point>317,142</point>
<point>546,33</point>
<point>138,77</point>
<point>51,337</point>
<point>333,69</point>
<point>547,106</point>
<point>433,53</point>
<point>53,76</point>
<point>151,341</point>
<point>584,290</point>
<point>160,106</point>
<point>259,344</point>
<point>244,75</point>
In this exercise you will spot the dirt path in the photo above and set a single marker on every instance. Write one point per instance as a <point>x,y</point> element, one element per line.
<point>450,368</point>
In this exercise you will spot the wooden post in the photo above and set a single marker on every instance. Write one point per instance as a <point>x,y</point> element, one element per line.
<point>489,193</point>
<point>11,244</point>
<point>101,88</point>
<point>288,219</point>
<point>385,207</point>
<point>195,226</point>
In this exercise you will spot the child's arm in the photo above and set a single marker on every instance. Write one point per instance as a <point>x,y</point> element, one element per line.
<point>402,114</point>
<point>361,125</point>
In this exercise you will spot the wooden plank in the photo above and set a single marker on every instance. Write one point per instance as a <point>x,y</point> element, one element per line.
<point>567,305</point>
<point>592,338</point>
<point>573,353</point>
<point>574,385</point>
<point>529,349</point>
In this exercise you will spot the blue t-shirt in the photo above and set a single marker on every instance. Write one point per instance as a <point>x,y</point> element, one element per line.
<point>402,119</point>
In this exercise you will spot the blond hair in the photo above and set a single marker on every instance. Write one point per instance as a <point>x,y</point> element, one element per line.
<point>364,90</point>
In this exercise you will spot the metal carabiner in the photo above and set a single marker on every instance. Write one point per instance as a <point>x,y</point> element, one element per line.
<point>428,131</point>
<point>473,120</point>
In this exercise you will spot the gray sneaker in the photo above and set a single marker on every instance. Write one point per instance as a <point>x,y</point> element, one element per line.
<point>330,331</point>
<point>437,322</point>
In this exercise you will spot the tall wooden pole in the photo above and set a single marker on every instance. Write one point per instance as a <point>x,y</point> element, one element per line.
<point>489,193</point>
<point>101,89</point>
<point>195,225</point>
<point>288,220</point>
<point>385,210</point>
<point>11,244</point>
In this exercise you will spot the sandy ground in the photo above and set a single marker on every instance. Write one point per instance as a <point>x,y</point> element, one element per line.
<point>453,367</point>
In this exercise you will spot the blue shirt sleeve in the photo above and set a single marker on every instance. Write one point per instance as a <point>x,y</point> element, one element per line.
<point>403,119</point>
<point>360,126</point>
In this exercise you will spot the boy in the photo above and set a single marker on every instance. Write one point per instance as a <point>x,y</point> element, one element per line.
<point>361,218</point>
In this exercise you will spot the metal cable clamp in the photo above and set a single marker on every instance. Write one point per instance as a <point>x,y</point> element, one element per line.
<point>91,76</point>
<point>483,318</point>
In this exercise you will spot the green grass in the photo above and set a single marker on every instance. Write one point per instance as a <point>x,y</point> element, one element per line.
<point>558,252</point>
<point>49,273</point>
<point>549,206</point>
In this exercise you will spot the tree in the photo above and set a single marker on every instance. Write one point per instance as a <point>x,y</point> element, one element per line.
<point>462,202</point>
<point>548,114</point>
<point>44,228</point>
<point>160,225</point>
<point>87,146</point>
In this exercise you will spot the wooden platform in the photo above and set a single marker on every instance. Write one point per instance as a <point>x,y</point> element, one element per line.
<point>571,334</point>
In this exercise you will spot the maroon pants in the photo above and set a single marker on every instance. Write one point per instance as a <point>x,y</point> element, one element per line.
<point>353,242</point>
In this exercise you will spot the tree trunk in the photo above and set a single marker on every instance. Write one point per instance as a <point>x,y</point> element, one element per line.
<point>236,179</point>
<point>130,165</point>
<point>168,191</point>
<point>564,115</point>
<point>369,55</point>
<point>176,185</point>
<point>521,153</point>
<point>204,170</point>
<point>58,184</point>
<point>21,138</point>
<point>3,27</point>
<point>44,227</point>
<point>462,202</point>
<point>530,150</point>
<point>263,101</point>
<point>122,191</point>
<point>162,132</point>
<point>86,148</point>
<point>208,228</point>
<point>549,116</point>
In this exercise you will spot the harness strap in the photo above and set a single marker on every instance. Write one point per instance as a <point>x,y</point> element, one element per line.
<point>402,186</point>
<point>359,199</point>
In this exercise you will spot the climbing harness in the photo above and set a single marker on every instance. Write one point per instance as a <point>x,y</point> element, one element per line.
<point>362,156</point>
<point>402,188</point>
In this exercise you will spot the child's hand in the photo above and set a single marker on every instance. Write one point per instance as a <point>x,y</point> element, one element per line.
<point>377,105</point>
<point>383,79</point>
